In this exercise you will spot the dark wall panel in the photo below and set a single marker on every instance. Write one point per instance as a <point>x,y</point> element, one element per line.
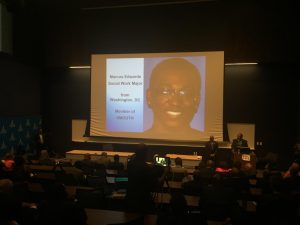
<point>66,96</point>
<point>265,95</point>
<point>246,31</point>
<point>20,88</point>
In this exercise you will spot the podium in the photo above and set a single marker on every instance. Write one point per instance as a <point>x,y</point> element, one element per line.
<point>245,155</point>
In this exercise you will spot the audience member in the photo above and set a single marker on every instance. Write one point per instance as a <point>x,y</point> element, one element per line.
<point>86,165</point>
<point>218,202</point>
<point>202,176</point>
<point>295,164</point>
<point>237,168</point>
<point>178,172</point>
<point>141,181</point>
<point>116,164</point>
<point>19,172</point>
<point>10,207</point>
<point>8,162</point>
<point>178,213</point>
<point>205,172</point>
<point>249,170</point>
<point>104,160</point>
<point>45,159</point>
<point>276,206</point>
<point>297,153</point>
<point>223,168</point>
<point>292,177</point>
<point>58,209</point>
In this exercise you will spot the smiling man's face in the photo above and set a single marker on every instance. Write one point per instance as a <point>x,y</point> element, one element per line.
<point>174,99</point>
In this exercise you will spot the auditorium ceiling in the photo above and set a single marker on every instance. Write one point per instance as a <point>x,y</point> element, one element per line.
<point>248,30</point>
<point>46,5</point>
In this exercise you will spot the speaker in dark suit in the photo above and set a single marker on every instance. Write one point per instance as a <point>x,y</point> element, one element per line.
<point>211,148</point>
<point>239,143</point>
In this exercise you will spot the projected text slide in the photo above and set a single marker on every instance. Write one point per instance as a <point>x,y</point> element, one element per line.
<point>124,94</point>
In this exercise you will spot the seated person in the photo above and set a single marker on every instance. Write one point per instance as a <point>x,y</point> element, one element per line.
<point>295,165</point>
<point>86,165</point>
<point>223,168</point>
<point>10,205</point>
<point>45,159</point>
<point>8,162</point>
<point>57,208</point>
<point>205,171</point>
<point>178,172</point>
<point>141,181</point>
<point>104,160</point>
<point>116,164</point>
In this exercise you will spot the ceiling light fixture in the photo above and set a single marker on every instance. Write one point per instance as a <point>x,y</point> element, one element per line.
<point>79,67</point>
<point>240,64</point>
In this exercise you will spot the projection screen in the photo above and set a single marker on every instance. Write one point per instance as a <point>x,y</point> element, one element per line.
<point>161,96</point>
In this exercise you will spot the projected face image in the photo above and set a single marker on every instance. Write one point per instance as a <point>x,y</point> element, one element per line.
<point>174,95</point>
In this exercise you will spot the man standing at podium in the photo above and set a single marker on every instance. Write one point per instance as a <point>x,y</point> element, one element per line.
<point>210,149</point>
<point>238,143</point>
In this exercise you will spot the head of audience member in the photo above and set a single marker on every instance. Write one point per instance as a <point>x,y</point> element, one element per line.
<point>174,95</point>
<point>10,207</point>
<point>297,152</point>
<point>44,155</point>
<point>178,161</point>
<point>201,165</point>
<point>9,156</point>
<point>6,185</point>
<point>211,138</point>
<point>87,156</point>
<point>116,158</point>
<point>237,164</point>
<point>141,152</point>
<point>294,169</point>
<point>210,163</point>
<point>8,162</point>
<point>104,154</point>
<point>236,167</point>
<point>248,169</point>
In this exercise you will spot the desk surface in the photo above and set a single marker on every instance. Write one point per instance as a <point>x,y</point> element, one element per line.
<point>93,152</point>
<point>185,157</point>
